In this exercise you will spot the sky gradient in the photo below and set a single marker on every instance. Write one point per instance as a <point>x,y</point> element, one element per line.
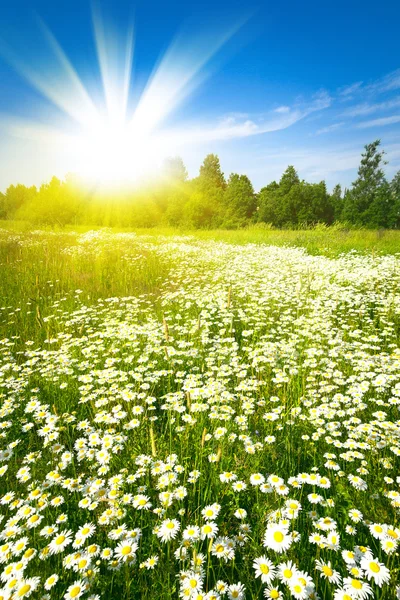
<point>265,86</point>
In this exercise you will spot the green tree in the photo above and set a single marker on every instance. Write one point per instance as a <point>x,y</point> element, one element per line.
<point>3,211</point>
<point>268,199</point>
<point>16,197</point>
<point>394,216</point>
<point>289,179</point>
<point>175,169</point>
<point>337,201</point>
<point>239,201</point>
<point>211,173</point>
<point>368,200</point>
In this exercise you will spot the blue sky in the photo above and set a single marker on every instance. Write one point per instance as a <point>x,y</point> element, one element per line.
<point>263,85</point>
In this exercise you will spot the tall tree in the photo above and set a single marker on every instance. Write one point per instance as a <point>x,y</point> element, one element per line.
<point>368,200</point>
<point>211,173</point>
<point>289,179</point>
<point>337,201</point>
<point>175,169</point>
<point>395,201</point>
<point>239,200</point>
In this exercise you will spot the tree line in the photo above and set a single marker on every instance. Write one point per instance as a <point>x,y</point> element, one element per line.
<point>211,201</point>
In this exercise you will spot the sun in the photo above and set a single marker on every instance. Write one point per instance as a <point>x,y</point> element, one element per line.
<point>113,136</point>
<point>112,156</point>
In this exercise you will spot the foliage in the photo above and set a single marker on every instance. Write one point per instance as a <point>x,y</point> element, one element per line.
<point>209,201</point>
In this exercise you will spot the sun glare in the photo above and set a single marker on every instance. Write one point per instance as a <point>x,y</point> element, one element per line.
<point>112,144</point>
<point>110,156</point>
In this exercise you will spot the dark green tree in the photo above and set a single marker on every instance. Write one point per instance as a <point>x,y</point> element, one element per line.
<point>268,203</point>
<point>289,179</point>
<point>394,216</point>
<point>337,201</point>
<point>368,200</point>
<point>239,201</point>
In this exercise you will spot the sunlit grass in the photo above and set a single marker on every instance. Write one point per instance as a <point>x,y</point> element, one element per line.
<point>255,370</point>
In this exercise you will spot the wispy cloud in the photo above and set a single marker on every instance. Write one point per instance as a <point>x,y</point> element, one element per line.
<point>330,128</point>
<point>389,82</point>
<point>349,90</point>
<point>366,109</point>
<point>232,127</point>
<point>379,122</point>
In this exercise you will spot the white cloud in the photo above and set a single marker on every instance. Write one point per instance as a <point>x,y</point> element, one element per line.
<point>379,122</point>
<point>389,82</point>
<point>330,128</point>
<point>231,127</point>
<point>282,109</point>
<point>367,109</point>
<point>348,90</point>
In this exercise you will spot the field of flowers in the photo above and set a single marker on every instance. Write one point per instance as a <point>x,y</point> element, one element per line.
<point>185,418</point>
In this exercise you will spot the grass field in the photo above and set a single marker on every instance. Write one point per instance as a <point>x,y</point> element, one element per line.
<point>199,415</point>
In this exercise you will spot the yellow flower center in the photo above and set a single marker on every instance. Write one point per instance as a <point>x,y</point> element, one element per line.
<point>327,571</point>
<point>219,548</point>
<point>24,590</point>
<point>356,584</point>
<point>75,591</point>
<point>274,594</point>
<point>287,573</point>
<point>60,539</point>
<point>264,569</point>
<point>126,550</point>
<point>375,568</point>
<point>278,536</point>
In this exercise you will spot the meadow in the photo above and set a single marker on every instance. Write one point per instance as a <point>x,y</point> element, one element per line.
<point>203,415</point>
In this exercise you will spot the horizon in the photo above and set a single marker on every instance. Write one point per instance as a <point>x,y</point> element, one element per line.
<point>191,87</point>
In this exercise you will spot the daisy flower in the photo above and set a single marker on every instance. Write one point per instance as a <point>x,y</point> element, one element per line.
<point>277,538</point>
<point>168,530</point>
<point>51,581</point>
<point>192,532</point>
<point>375,570</point>
<point>357,588</point>
<point>273,593</point>
<point>236,591</point>
<point>141,502</point>
<point>59,543</point>
<point>327,572</point>
<point>86,531</point>
<point>208,530</point>
<point>287,571</point>
<point>211,512</point>
<point>26,587</point>
<point>75,590</point>
<point>126,551</point>
<point>265,569</point>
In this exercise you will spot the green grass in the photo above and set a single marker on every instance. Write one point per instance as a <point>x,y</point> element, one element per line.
<point>252,351</point>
